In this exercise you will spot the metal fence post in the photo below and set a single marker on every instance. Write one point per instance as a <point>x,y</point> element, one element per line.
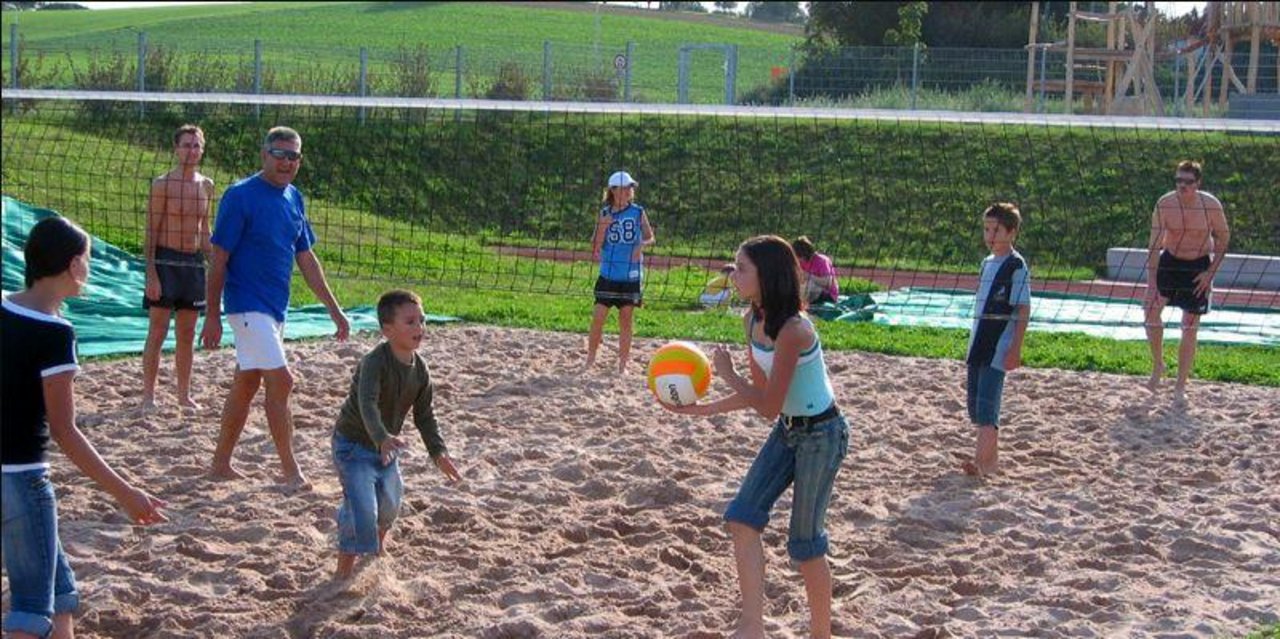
<point>142,69</point>
<point>626,75</point>
<point>364,79</point>
<point>791,78</point>
<point>915,73</point>
<point>457,72</point>
<point>13,56</point>
<point>1044,54</point>
<point>257,76</point>
<point>546,69</point>
<point>731,75</point>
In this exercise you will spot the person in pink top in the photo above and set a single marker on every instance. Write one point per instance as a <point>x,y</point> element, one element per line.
<point>820,283</point>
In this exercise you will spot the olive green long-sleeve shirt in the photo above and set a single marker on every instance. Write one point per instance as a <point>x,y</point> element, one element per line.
<point>383,390</point>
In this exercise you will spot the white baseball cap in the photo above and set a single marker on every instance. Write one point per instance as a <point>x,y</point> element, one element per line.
<point>622,178</point>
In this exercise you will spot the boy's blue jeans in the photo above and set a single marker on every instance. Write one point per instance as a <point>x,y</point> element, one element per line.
<point>985,390</point>
<point>371,495</point>
<point>809,457</point>
<point>41,583</point>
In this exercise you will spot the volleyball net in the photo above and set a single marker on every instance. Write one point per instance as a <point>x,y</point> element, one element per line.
<point>498,195</point>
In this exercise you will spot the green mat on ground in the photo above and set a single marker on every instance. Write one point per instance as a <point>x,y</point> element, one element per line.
<point>1097,316</point>
<point>109,317</point>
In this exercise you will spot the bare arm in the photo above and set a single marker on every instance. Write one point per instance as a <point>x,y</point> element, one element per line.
<point>1013,359</point>
<point>215,281</point>
<point>1221,240</point>
<point>1153,251</point>
<point>60,406</point>
<point>1221,236</point>
<point>647,237</point>
<point>597,240</point>
<point>312,272</point>
<point>155,217</point>
<point>206,232</point>
<point>767,398</point>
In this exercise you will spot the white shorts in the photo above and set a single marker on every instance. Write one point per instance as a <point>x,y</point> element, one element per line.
<point>259,341</point>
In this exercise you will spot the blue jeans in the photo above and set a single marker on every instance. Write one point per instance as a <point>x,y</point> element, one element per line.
<point>985,387</point>
<point>371,495</point>
<point>41,583</point>
<point>809,457</point>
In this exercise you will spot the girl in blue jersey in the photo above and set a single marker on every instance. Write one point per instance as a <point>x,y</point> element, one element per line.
<point>809,438</point>
<point>38,404</point>
<point>622,232</point>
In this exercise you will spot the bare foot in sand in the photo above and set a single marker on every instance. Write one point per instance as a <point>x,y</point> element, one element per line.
<point>225,473</point>
<point>974,470</point>
<point>190,404</point>
<point>296,482</point>
<point>1157,377</point>
<point>1180,396</point>
<point>346,567</point>
<point>148,404</point>
<point>749,632</point>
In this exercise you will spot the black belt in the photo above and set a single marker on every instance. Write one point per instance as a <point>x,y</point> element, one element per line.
<point>805,421</point>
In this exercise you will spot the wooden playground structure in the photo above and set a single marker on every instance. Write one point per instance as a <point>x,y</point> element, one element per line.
<point>1127,62</point>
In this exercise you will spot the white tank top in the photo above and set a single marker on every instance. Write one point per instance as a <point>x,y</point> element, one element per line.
<point>810,392</point>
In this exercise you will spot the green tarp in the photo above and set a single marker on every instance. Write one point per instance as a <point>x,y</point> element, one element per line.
<point>1101,317</point>
<point>109,317</point>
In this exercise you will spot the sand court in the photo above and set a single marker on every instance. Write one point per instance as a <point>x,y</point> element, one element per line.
<point>588,511</point>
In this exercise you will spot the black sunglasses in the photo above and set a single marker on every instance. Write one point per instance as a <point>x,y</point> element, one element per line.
<point>285,154</point>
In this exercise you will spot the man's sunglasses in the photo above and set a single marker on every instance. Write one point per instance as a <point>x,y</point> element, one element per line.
<point>285,154</point>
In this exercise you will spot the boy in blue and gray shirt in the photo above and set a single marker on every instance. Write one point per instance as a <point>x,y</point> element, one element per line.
<point>1000,313</point>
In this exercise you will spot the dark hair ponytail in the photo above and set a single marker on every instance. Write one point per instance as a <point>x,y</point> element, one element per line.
<point>51,245</point>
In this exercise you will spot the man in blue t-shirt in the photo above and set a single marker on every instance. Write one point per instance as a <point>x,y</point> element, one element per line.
<point>261,230</point>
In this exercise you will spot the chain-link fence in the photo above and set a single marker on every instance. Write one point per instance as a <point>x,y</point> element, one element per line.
<point>963,79</point>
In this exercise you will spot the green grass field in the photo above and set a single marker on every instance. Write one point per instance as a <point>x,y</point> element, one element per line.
<point>102,183</point>
<point>321,40</point>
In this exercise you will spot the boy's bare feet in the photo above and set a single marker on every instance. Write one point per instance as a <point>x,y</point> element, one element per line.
<point>296,482</point>
<point>346,567</point>
<point>190,404</point>
<point>148,404</point>
<point>1157,377</point>
<point>747,632</point>
<point>972,469</point>
<point>225,473</point>
<point>1179,395</point>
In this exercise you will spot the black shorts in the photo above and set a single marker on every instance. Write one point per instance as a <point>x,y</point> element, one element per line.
<point>619,294</point>
<point>181,281</point>
<point>1176,281</point>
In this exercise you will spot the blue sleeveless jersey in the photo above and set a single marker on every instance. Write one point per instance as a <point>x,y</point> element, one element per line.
<point>620,243</point>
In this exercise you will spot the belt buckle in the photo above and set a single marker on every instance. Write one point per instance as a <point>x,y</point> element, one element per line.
<point>788,422</point>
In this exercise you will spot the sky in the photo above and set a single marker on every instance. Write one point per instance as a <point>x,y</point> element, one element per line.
<point>1168,8</point>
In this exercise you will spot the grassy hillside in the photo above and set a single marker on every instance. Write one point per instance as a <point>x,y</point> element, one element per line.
<point>297,37</point>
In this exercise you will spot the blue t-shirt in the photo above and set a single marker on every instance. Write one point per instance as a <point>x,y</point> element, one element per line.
<point>263,227</point>
<point>1003,284</point>
<point>620,242</point>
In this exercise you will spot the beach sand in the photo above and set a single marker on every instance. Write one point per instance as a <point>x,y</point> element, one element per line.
<point>588,511</point>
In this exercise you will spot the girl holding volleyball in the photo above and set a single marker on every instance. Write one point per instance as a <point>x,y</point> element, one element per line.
<point>788,384</point>
<point>622,232</point>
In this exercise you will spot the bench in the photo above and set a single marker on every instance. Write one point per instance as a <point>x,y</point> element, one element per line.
<point>1261,272</point>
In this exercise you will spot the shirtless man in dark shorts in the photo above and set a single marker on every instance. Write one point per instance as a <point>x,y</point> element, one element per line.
<point>1187,227</point>
<point>176,246</point>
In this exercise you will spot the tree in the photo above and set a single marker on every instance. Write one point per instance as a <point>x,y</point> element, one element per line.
<point>726,7</point>
<point>775,11</point>
<point>849,24</point>
<point>682,6</point>
<point>909,31</point>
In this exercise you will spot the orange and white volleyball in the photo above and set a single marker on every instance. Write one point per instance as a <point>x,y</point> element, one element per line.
<point>679,374</point>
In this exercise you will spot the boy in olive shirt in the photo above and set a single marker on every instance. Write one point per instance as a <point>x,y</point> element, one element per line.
<point>390,380</point>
